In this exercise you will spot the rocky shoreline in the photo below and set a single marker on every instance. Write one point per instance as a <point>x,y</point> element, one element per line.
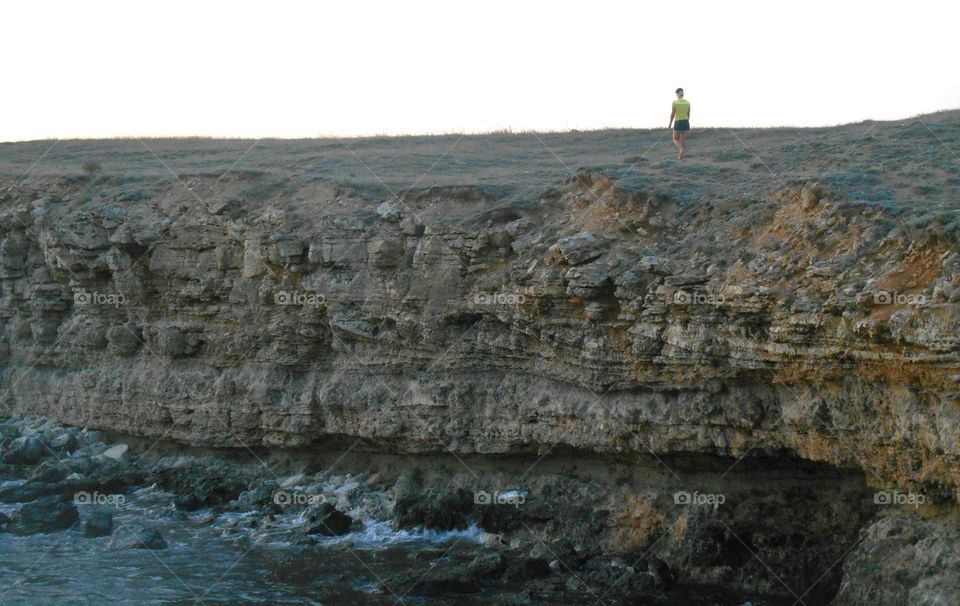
<point>540,540</point>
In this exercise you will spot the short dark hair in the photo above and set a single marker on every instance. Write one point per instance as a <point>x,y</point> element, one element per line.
<point>678,91</point>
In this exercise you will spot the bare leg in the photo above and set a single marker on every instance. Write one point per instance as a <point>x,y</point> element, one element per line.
<point>677,142</point>
<point>683,145</point>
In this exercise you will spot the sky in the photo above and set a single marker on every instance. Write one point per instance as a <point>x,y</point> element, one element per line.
<point>307,69</point>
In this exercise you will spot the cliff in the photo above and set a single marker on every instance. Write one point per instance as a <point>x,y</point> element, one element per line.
<point>784,294</point>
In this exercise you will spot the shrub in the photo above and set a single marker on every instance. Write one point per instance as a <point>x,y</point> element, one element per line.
<point>91,165</point>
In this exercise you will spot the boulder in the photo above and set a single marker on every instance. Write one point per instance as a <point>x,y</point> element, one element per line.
<point>587,281</point>
<point>326,520</point>
<point>24,450</point>
<point>50,471</point>
<point>98,524</point>
<point>64,442</point>
<point>412,226</point>
<point>486,566</point>
<point>388,213</point>
<point>809,197</point>
<point>434,510</point>
<point>47,514</point>
<point>192,501</point>
<point>117,452</point>
<point>293,481</point>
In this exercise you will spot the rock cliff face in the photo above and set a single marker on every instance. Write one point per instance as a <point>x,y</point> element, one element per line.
<point>593,319</point>
<point>596,318</point>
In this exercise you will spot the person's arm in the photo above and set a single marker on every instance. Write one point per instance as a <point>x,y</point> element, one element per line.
<point>673,112</point>
<point>688,112</point>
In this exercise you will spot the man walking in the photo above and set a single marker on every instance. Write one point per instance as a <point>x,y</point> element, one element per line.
<point>680,120</point>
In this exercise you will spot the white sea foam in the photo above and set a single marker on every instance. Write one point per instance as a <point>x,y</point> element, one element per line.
<point>377,534</point>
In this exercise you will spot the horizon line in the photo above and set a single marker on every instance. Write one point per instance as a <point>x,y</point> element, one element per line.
<point>479,133</point>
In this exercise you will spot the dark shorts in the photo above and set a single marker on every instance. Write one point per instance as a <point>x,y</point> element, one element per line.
<point>681,126</point>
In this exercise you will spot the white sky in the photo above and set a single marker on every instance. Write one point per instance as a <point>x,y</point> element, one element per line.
<point>292,69</point>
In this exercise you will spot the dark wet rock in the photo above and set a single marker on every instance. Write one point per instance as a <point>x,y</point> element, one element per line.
<point>8,432</point>
<point>82,464</point>
<point>200,484</point>
<point>24,450</point>
<point>427,553</point>
<point>487,566</point>
<point>505,517</point>
<point>303,539</point>
<point>561,551</point>
<point>528,568</point>
<point>4,519</point>
<point>607,569</point>
<point>661,572</point>
<point>436,510</point>
<point>325,520</point>
<point>50,471</point>
<point>32,490</point>
<point>256,497</point>
<point>439,580</point>
<point>612,576</point>
<point>191,502</point>
<point>98,524</point>
<point>64,442</point>
<point>713,544</point>
<point>407,485</point>
<point>145,537</point>
<point>48,514</point>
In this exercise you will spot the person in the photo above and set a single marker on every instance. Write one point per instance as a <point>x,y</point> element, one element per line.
<point>680,120</point>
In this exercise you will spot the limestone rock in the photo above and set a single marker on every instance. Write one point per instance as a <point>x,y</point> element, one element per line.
<point>579,248</point>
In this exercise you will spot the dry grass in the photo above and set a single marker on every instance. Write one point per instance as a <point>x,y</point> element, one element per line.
<point>910,165</point>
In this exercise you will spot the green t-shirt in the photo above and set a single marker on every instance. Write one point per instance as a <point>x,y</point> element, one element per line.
<point>681,107</point>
